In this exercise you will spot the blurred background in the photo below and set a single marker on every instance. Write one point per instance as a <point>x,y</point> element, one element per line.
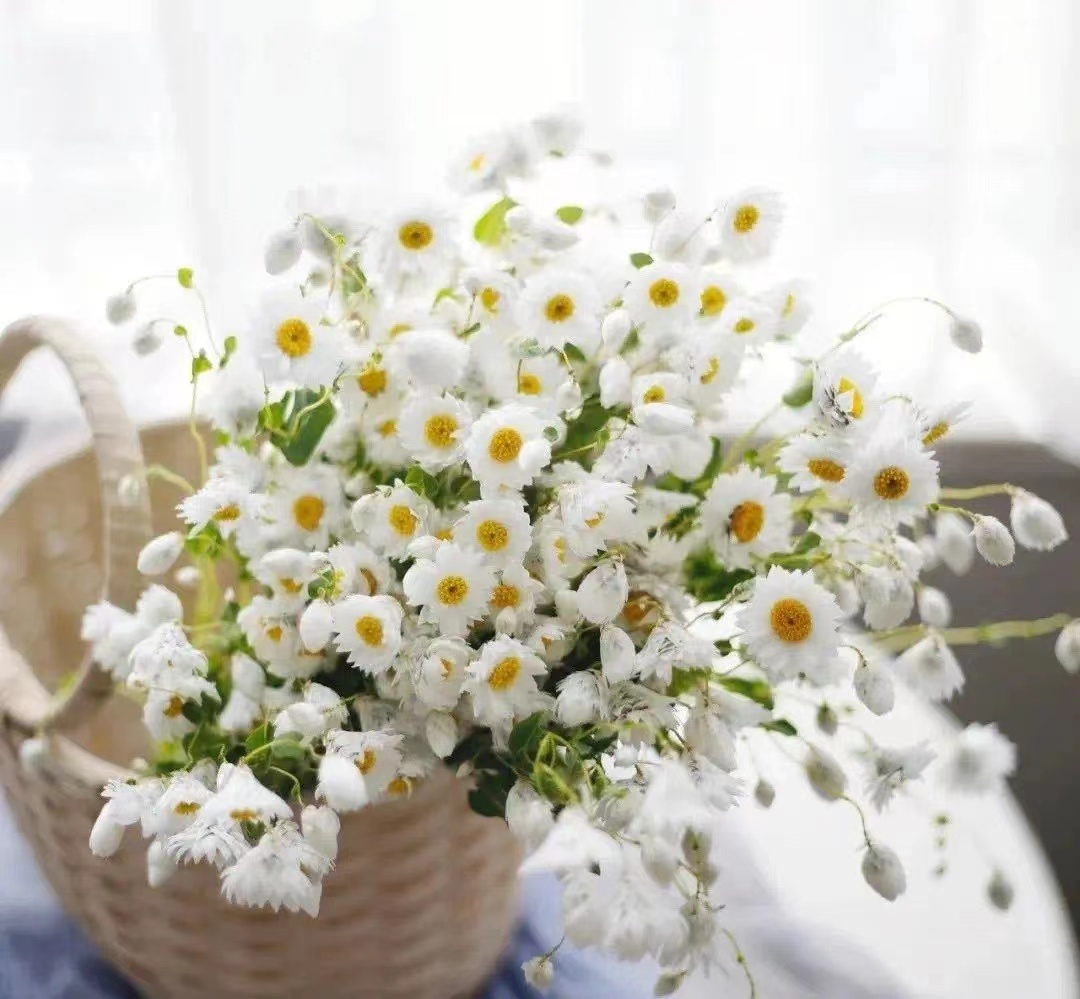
<point>923,148</point>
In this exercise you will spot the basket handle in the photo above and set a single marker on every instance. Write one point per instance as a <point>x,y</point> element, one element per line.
<point>115,443</point>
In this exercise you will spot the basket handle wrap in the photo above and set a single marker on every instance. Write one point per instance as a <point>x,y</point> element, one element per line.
<point>115,443</point>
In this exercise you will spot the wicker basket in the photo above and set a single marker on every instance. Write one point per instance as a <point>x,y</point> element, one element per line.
<point>423,898</point>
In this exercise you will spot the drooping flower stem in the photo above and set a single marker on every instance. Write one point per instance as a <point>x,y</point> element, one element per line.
<point>898,639</point>
<point>979,492</point>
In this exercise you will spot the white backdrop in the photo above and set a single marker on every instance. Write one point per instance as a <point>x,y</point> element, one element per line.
<point>924,147</point>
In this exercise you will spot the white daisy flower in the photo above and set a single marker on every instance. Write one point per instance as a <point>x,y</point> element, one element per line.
<point>659,386</point>
<point>844,389</point>
<point>291,343</point>
<point>500,529</point>
<point>891,478</point>
<point>507,448</point>
<point>306,507</point>
<point>711,362</point>
<point>790,303</point>
<point>595,513</point>
<point>513,600</point>
<point>661,297</point>
<point>751,322</point>
<point>743,516</point>
<point>979,759</point>
<point>431,359</point>
<point>375,758</point>
<point>357,569</point>
<point>560,307</point>
<point>502,682</point>
<point>224,502</point>
<point>790,624</point>
<point>1036,524</point>
<point>494,294</point>
<point>282,871</point>
<point>391,519</point>
<point>814,461</point>
<point>287,572</point>
<point>241,798</point>
<point>416,242</point>
<point>369,630</point>
<point>717,290</point>
<point>320,709</point>
<point>433,430</point>
<point>937,422</point>
<point>369,381</point>
<point>453,589</point>
<point>440,673</point>
<point>178,806</point>
<point>271,631</point>
<point>891,769</point>
<point>749,223</point>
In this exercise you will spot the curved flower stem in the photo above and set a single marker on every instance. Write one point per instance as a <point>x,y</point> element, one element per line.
<point>740,957</point>
<point>978,492</point>
<point>862,817</point>
<point>898,639</point>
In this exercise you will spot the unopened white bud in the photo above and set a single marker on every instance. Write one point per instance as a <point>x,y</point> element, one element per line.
<point>566,606</point>
<point>993,540</point>
<point>1000,891</point>
<point>826,775</point>
<point>539,973</point>
<point>120,308</point>
<point>1067,647</point>
<point>617,654</point>
<point>441,733</point>
<point>615,329</point>
<point>1036,524</point>
<point>615,382</point>
<point>966,334</point>
<point>320,826</point>
<point>954,543</point>
<point>602,594</point>
<point>33,753</point>
<point>874,687</point>
<point>160,554</point>
<point>883,871</point>
<point>934,607</point>
<point>186,577</point>
<point>147,339</point>
<point>580,699</point>
<point>528,815</point>
<point>316,625</point>
<point>129,490</point>
<point>658,204</point>
<point>764,793</point>
<point>282,251</point>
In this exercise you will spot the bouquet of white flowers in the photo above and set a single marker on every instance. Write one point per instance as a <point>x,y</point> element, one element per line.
<point>470,489</point>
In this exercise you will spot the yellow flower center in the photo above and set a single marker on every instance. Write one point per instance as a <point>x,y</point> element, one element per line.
<point>243,814</point>
<point>416,235</point>
<point>477,162</point>
<point>227,513</point>
<point>825,468</point>
<point>372,582</point>
<point>789,305</point>
<point>290,586</point>
<point>366,763</point>
<point>747,519</point>
<point>397,329</point>
<point>746,218</point>
<point>654,393</point>
<point>275,632</point>
<point>399,786</point>
<point>504,673</point>
<point>372,380</point>
<point>446,667</point>
<point>790,620</point>
<point>559,546</point>
<point>445,534</point>
<point>440,429</point>
<point>891,483</point>
<point>708,376</point>
<point>713,300</point>
<point>489,299</point>
<point>451,590</point>
<point>559,308</point>
<point>505,445</point>
<point>593,522</point>
<point>186,807</point>
<point>387,428</point>
<point>308,511</point>
<point>504,595</point>
<point>492,536</point>
<point>370,630</point>
<point>293,337</point>
<point>847,385</point>
<point>744,326</point>
<point>174,707</point>
<point>402,519</point>
<point>935,433</point>
<point>664,293</point>
<point>529,384</point>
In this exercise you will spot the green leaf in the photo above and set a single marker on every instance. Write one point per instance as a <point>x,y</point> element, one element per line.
<point>570,214</point>
<point>200,364</point>
<point>422,483</point>
<point>801,392</point>
<point>289,751</point>
<point>488,798</point>
<point>441,294</point>
<point>683,680</point>
<point>640,260</point>
<point>257,738</point>
<point>180,331</point>
<point>305,426</point>
<point>781,725</point>
<point>707,580</point>
<point>491,226</point>
<point>808,542</point>
<point>229,350</point>
<point>525,738</point>
<point>186,277</point>
<point>758,691</point>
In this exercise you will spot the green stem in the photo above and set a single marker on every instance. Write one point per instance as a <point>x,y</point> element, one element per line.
<point>978,492</point>
<point>897,639</point>
<point>740,957</point>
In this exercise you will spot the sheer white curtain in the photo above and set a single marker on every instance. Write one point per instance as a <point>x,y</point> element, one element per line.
<point>924,148</point>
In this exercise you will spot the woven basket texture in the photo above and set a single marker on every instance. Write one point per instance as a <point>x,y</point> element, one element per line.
<point>422,900</point>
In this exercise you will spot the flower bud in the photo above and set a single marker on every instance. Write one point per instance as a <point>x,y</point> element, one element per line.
<point>282,251</point>
<point>826,775</point>
<point>186,577</point>
<point>1067,647</point>
<point>580,699</point>
<point>566,606</point>
<point>615,380</point>
<point>158,556</point>
<point>106,834</point>
<point>954,543</point>
<point>528,815</point>
<point>993,540</point>
<point>441,732</point>
<point>966,334</point>
<point>316,625</point>
<point>827,720</point>
<point>603,592</point>
<point>129,490</point>
<point>147,339</point>
<point>1000,891</point>
<point>658,204</point>
<point>120,308</point>
<point>159,865</point>
<point>934,607</point>
<point>33,754</point>
<point>1036,524</point>
<point>617,654</point>
<point>615,329</point>
<point>320,826</point>
<point>669,983</point>
<point>874,687</point>
<point>883,872</point>
<point>539,973</point>
<point>663,419</point>
<point>764,794</point>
